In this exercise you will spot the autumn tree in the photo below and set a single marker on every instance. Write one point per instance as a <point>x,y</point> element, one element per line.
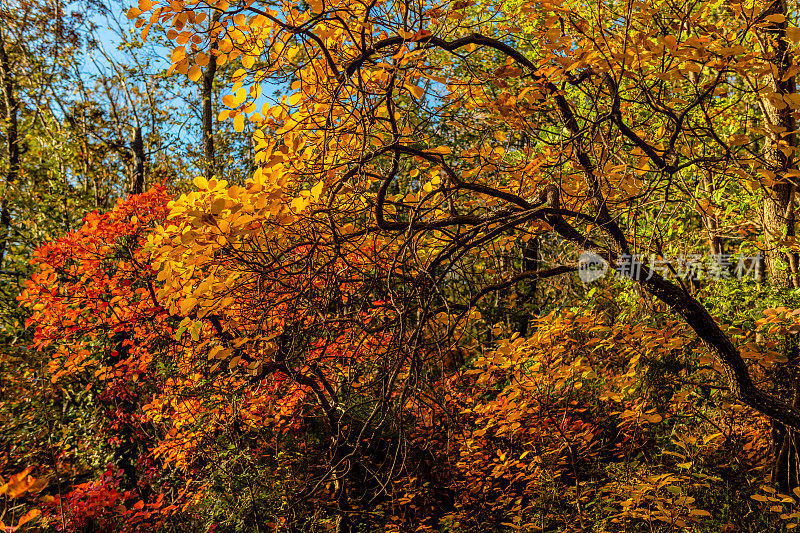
<point>62,158</point>
<point>619,124</point>
<point>419,203</point>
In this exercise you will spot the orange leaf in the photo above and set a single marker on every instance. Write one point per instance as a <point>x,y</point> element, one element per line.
<point>415,90</point>
<point>18,484</point>
<point>27,517</point>
<point>194,73</point>
<point>421,34</point>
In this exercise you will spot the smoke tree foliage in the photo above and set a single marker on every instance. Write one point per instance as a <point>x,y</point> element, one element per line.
<point>383,328</point>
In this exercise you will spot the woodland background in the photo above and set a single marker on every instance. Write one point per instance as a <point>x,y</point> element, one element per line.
<point>268,266</point>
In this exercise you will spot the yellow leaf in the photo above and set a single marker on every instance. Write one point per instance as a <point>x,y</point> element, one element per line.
<point>187,305</point>
<point>218,205</point>
<point>178,54</point>
<point>299,204</point>
<point>241,94</point>
<point>238,123</point>
<point>316,191</point>
<point>194,73</point>
<point>194,331</point>
<point>441,150</point>
<point>133,13</point>
<point>220,353</point>
<point>294,98</point>
<point>188,237</point>
<point>200,182</point>
<point>415,90</point>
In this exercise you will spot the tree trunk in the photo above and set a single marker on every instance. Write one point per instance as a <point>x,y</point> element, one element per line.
<point>778,209</point>
<point>137,148</point>
<point>127,451</point>
<point>710,216</point>
<point>12,145</point>
<point>208,108</point>
<point>526,290</point>
<point>779,222</point>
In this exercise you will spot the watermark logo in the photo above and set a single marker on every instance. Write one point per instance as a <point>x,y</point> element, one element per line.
<point>591,267</point>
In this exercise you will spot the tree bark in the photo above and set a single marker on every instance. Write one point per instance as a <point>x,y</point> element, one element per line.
<point>779,222</point>
<point>710,216</point>
<point>778,208</point>
<point>526,290</point>
<point>137,148</point>
<point>208,108</point>
<point>12,145</point>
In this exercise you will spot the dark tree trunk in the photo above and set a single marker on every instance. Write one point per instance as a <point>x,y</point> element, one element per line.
<point>137,148</point>
<point>526,290</point>
<point>208,109</point>
<point>12,144</point>
<point>786,469</point>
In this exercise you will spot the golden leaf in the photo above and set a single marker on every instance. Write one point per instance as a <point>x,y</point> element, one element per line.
<point>414,90</point>
<point>200,182</point>
<point>238,123</point>
<point>194,73</point>
<point>187,305</point>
